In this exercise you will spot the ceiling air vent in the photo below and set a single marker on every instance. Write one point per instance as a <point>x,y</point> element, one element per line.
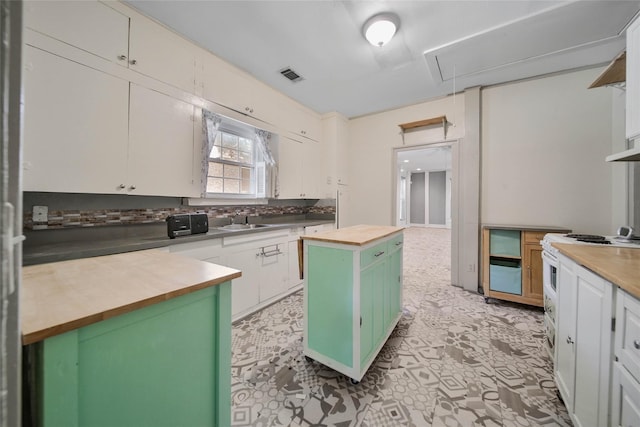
<point>291,75</point>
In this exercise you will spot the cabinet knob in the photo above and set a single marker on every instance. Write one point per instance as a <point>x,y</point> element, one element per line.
<point>569,340</point>
<point>132,187</point>
<point>122,57</point>
<point>636,344</point>
<point>133,62</point>
<point>121,186</point>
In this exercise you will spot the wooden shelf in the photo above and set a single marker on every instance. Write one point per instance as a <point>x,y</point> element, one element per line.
<point>615,73</point>
<point>440,120</point>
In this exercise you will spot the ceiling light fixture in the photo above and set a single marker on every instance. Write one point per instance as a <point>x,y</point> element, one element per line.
<point>380,28</point>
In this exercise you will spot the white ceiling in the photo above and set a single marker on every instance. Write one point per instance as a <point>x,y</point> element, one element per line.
<point>479,42</point>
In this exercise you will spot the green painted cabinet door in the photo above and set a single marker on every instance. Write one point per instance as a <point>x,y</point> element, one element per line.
<point>372,302</point>
<point>393,303</point>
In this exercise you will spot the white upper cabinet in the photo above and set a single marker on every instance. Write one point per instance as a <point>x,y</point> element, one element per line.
<point>161,145</point>
<point>300,123</point>
<point>87,25</point>
<point>226,85</point>
<point>633,81</point>
<point>300,170</point>
<point>159,53</point>
<point>122,36</point>
<point>75,126</point>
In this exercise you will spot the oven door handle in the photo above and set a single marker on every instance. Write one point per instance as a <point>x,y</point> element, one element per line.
<point>546,256</point>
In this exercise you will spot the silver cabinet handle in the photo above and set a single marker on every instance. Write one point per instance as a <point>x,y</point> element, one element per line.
<point>636,344</point>
<point>271,253</point>
<point>399,244</point>
<point>133,62</point>
<point>122,57</point>
<point>569,340</point>
<point>378,254</point>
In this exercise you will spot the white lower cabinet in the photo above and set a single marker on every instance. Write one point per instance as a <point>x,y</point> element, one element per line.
<point>625,401</point>
<point>584,339</point>
<point>268,261</point>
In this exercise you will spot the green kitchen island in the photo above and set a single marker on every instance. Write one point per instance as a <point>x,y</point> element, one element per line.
<point>352,295</point>
<point>135,339</point>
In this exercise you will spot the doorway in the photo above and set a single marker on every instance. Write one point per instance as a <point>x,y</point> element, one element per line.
<point>424,186</point>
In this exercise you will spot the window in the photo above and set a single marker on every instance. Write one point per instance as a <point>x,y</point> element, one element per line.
<point>232,165</point>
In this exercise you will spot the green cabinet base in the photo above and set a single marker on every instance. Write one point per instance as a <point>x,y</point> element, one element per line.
<point>163,365</point>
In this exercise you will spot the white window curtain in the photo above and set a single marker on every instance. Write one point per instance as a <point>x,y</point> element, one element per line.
<point>263,138</point>
<point>210,123</point>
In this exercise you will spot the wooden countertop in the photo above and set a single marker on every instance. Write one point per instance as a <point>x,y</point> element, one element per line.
<point>63,296</point>
<point>358,235</point>
<point>620,266</point>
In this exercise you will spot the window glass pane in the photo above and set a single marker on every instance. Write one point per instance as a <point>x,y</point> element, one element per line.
<point>231,186</point>
<point>229,141</point>
<point>245,144</point>
<point>245,157</point>
<point>230,154</point>
<point>245,180</point>
<point>215,169</point>
<point>231,171</point>
<point>214,185</point>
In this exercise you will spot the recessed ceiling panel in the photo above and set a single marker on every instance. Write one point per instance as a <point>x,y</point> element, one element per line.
<point>574,26</point>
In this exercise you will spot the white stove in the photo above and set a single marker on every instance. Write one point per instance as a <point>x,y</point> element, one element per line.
<point>587,239</point>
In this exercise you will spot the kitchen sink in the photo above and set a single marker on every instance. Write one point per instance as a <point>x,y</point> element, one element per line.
<point>238,227</point>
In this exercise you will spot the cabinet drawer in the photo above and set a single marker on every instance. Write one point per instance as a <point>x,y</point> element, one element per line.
<point>395,242</point>
<point>628,333</point>
<point>534,236</point>
<point>372,254</point>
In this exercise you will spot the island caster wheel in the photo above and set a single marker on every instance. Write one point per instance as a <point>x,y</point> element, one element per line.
<point>354,382</point>
<point>486,300</point>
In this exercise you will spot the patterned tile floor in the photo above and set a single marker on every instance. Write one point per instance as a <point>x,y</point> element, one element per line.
<point>451,361</point>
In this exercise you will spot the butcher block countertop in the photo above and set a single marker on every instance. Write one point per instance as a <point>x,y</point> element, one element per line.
<point>358,235</point>
<point>620,266</point>
<point>63,296</point>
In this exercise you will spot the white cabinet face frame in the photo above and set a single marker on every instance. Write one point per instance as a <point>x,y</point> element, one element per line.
<point>627,339</point>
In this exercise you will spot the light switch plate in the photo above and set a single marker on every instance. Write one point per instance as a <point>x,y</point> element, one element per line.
<point>40,213</point>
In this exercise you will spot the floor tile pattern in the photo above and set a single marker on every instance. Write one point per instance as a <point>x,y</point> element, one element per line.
<point>453,360</point>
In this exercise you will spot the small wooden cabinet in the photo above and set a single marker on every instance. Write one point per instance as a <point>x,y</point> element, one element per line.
<point>512,263</point>
<point>351,308</point>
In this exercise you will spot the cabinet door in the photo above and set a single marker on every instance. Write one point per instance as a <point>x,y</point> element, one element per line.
<point>294,264</point>
<point>313,170</point>
<point>161,145</point>
<point>75,126</point>
<point>88,25</point>
<point>593,349</point>
<point>625,410</point>
<point>301,122</point>
<point>566,332</point>
<point>244,291</point>
<point>532,272</point>
<point>393,294</point>
<point>372,311</point>
<point>158,52</point>
<point>290,169</point>
<point>273,271</point>
<point>225,85</point>
<point>633,81</point>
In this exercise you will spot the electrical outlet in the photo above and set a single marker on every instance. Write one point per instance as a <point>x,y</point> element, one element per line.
<point>471,268</point>
<point>40,213</point>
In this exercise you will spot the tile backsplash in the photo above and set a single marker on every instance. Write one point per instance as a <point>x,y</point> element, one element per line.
<point>73,218</point>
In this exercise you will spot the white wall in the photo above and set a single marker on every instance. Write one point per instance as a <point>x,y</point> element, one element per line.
<point>543,147</point>
<point>370,153</point>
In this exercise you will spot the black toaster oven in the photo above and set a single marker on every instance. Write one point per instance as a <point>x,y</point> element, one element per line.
<point>186,224</point>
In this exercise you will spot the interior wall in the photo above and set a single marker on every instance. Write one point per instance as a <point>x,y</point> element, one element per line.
<point>417,204</point>
<point>543,147</point>
<point>371,158</point>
